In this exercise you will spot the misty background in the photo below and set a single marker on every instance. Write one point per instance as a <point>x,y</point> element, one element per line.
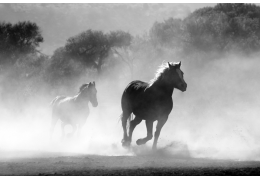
<point>52,49</point>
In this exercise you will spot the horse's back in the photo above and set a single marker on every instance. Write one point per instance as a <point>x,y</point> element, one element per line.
<point>57,99</point>
<point>68,110</point>
<point>58,104</point>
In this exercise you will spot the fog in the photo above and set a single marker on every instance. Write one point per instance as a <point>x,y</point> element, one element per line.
<point>217,117</point>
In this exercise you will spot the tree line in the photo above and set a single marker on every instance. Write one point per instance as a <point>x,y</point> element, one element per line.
<point>223,28</point>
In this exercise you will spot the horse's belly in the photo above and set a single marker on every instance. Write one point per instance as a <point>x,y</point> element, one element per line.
<point>153,112</point>
<point>73,117</point>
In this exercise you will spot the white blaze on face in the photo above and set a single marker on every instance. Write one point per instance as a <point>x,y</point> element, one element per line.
<point>180,75</point>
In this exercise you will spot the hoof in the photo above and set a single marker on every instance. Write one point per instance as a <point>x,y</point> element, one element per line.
<point>139,142</point>
<point>125,143</point>
<point>154,148</point>
<point>69,135</point>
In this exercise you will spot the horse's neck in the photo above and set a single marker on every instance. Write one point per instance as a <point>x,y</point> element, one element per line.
<point>81,99</point>
<point>162,87</point>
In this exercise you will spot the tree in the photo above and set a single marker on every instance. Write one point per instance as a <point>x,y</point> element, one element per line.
<point>222,28</point>
<point>91,48</point>
<point>169,33</point>
<point>225,27</point>
<point>17,40</point>
<point>120,45</point>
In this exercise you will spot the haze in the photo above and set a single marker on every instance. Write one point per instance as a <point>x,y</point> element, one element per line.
<point>217,117</point>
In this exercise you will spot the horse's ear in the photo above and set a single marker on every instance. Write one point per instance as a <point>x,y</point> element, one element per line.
<point>169,64</point>
<point>94,83</point>
<point>178,65</point>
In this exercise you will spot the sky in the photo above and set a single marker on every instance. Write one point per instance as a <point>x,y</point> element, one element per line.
<point>58,22</point>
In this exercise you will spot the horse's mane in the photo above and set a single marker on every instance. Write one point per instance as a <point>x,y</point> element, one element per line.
<point>160,71</point>
<point>83,86</point>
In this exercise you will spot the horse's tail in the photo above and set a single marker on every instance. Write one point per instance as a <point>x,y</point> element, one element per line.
<point>120,118</point>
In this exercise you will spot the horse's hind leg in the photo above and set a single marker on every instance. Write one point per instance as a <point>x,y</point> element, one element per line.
<point>125,140</point>
<point>79,130</point>
<point>53,123</point>
<point>133,124</point>
<point>62,130</point>
<point>74,128</point>
<point>149,127</point>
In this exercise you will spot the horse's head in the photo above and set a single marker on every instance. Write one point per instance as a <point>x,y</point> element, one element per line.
<point>91,92</point>
<point>175,75</point>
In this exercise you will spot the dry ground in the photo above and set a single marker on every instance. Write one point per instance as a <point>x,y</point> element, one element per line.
<point>47,163</point>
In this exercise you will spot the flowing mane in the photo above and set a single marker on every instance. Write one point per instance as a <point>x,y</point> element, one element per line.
<point>83,86</point>
<point>161,71</point>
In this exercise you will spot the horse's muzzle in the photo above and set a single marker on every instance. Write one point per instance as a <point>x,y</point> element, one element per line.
<point>95,104</point>
<point>183,87</point>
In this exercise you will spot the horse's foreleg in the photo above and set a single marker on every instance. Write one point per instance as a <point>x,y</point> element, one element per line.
<point>149,127</point>
<point>159,126</point>
<point>133,124</point>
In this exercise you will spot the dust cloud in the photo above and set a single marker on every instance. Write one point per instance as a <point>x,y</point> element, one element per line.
<point>217,117</point>
<point>25,127</point>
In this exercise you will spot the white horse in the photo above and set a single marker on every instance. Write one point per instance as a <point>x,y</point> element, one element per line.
<point>73,110</point>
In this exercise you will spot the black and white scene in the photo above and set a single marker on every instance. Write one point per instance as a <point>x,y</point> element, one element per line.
<point>129,89</point>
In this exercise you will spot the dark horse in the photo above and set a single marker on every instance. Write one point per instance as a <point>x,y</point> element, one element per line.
<point>151,101</point>
<point>74,110</point>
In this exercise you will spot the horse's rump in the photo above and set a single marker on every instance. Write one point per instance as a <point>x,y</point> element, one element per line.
<point>132,91</point>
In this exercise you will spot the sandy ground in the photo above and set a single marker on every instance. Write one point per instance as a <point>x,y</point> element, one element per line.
<point>50,163</point>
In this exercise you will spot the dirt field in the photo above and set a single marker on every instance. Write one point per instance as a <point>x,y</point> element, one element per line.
<point>32,163</point>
